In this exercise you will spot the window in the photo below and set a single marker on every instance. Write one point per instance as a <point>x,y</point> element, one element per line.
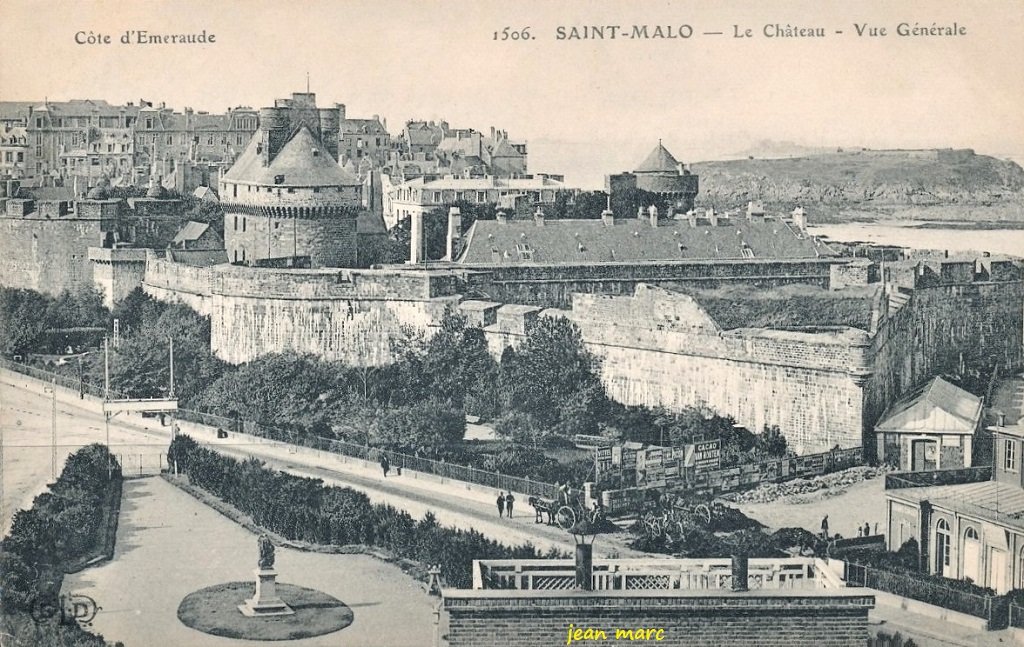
<point>941,546</point>
<point>209,141</point>
<point>8,157</point>
<point>971,533</point>
<point>170,140</point>
<point>238,140</point>
<point>236,229</point>
<point>1010,455</point>
<point>243,229</point>
<point>149,122</point>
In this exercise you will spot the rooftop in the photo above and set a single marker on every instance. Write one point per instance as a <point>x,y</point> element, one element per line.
<point>990,500</point>
<point>790,306</point>
<point>937,407</point>
<point>633,239</point>
<point>659,161</point>
<point>191,231</point>
<point>302,161</point>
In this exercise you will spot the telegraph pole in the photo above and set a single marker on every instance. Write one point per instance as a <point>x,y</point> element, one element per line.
<point>53,430</point>
<point>171,393</point>
<point>106,399</point>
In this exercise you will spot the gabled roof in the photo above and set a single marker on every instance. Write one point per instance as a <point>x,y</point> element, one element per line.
<point>303,161</point>
<point>659,161</point>
<point>206,193</point>
<point>935,407</point>
<point>16,110</point>
<point>632,239</point>
<point>191,231</point>
<point>505,149</point>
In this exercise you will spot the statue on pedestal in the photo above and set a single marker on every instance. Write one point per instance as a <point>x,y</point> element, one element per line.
<point>266,561</point>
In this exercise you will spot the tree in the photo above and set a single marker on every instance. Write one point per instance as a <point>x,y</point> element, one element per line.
<point>424,426</point>
<point>626,203</point>
<point>22,319</point>
<point>771,442</point>
<point>555,378</point>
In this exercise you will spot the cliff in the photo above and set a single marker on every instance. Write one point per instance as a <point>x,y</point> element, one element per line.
<point>846,185</point>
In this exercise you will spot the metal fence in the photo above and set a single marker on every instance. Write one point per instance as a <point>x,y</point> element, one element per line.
<point>1016,615</point>
<point>900,480</point>
<point>374,454</point>
<point>993,608</point>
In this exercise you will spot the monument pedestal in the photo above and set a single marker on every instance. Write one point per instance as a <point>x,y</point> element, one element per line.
<point>265,602</point>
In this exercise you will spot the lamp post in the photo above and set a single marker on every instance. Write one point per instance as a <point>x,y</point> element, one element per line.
<point>106,399</point>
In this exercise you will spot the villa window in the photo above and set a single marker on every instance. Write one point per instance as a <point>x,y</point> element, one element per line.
<point>1010,455</point>
<point>941,546</point>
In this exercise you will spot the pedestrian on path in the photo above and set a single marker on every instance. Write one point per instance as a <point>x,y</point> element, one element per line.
<point>501,504</point>
<point>509,500</point>
<point>385,465</point>
<point>867,529</point>
<point>824,528</point>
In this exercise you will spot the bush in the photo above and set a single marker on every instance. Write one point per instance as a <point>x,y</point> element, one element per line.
<point>304,509</point>
<point>62,528</point>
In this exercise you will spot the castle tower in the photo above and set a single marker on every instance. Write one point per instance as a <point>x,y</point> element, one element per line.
<point>287,202</point>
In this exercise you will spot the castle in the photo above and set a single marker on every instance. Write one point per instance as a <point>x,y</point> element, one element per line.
<point>745,313</point>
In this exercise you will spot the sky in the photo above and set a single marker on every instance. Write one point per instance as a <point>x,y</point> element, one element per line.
<point>706,96</point>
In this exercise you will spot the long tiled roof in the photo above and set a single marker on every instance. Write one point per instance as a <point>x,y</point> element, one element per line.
<point>632,239</point>
<point>296,161</point>
<point>936,406</point>
<point>991,500</point>
<point>11,110</point>
<point>191,231</point>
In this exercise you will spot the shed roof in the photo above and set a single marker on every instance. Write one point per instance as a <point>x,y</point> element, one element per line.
<point>934,407</point>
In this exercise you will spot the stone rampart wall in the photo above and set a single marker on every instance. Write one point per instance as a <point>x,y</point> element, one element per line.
<point>49,256</point>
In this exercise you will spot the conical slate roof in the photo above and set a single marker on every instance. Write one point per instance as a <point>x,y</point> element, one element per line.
<point>659,161</point>
<point>302,161</point>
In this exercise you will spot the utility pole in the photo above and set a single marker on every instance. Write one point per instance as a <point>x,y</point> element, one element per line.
<point>53,430</point>
<point>170,394</point>
<point>106,399</point>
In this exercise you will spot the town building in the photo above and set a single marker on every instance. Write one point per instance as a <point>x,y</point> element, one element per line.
<point>931,427</point>
<point>413,198</point>
<point>13,151</point>
<point>364,139</point>
<point>787,602</point>
<point>286,199</point>
<point>659,173</point>
<point>969,531</point>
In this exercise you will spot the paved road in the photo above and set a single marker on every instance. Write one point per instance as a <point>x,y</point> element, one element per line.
<point>142,442</point>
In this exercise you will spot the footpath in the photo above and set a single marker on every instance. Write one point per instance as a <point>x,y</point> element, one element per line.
<point>456,503</point>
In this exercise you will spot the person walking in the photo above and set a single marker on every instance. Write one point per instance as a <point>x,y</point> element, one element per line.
<point>385,465</point>
<point>824,528</point>
<point>867,529</point>
<point>501,504</point>
<point>509,500</point>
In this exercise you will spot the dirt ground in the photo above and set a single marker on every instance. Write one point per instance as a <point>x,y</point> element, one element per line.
<point>846,510</point>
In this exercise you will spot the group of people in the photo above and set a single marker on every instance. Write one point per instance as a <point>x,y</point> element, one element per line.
<point>505,503</point>
<point>862,531</point>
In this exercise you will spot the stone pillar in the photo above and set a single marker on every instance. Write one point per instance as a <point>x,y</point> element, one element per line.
<point>739,573</point>
<point>416,251</point>
<point>266,601</point>
<point>454,233</point>
<point>585,566</point>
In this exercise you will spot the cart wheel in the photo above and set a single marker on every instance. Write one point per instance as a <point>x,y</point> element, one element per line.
<point>703,512</point>
<point>565,517</point>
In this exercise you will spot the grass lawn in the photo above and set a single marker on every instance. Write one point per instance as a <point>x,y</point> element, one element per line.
<point>214,610</point>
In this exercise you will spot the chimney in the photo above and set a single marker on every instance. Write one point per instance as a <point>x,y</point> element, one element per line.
<point>502,218</point>
<point>1001,419</point>
<point>691,217</point>
<point>754,209</point>
<point>492,133</point>
<point>454,233</point>
<point>652,214</point>
<point>800,219</point>
<point>713,217</point>
<point>739,573</point>
<point>608,218</point>
<point>538,216</point>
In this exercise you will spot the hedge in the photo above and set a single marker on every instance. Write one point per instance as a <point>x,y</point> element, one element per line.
<point>304,509</point>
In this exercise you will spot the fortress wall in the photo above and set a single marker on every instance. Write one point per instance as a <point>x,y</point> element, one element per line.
<point>982,322</point>
<point>355,330</point>
<point>809,384</point>
<point>169,281</point>
<point>49,256</point>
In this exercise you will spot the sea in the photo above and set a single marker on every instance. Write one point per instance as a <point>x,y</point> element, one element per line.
<point>925,235</point>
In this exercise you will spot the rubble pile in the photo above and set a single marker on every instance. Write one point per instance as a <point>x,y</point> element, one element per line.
<point>825,485</point>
